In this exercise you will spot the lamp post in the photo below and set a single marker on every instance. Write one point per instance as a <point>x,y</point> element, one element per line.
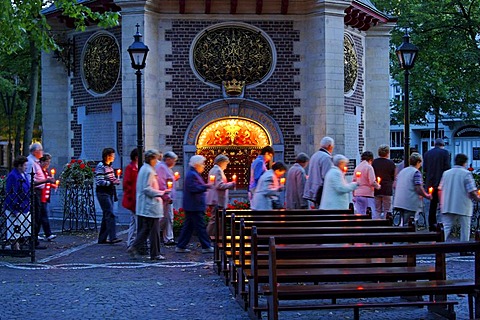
<point>406,53</point>
<point>138,54</point>
<point>8,104</point>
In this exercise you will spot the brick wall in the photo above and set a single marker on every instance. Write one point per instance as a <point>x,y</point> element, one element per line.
<point>188,92</point>
<point>357,98</point>
<point>81,97</point>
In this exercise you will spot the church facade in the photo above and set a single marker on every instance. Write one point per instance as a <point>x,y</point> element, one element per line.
<point>221,77</point>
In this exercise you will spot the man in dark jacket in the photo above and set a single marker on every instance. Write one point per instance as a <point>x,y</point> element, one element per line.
<point>435,162</point>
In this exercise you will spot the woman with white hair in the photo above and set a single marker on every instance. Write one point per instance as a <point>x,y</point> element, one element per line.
<point>194,204</point>
<point>217,197</point>
<point>149,207</point>
<point>335,188</point>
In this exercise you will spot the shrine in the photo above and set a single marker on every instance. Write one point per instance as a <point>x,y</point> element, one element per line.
<point>221,77</point>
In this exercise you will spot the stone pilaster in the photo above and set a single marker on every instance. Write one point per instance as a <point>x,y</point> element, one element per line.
<point>322,74</point>
<point>377,102</point>
<point>56,115</point>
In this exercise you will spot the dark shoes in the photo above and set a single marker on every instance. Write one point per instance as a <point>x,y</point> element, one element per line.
<point>133,253</point>
<point>170,243</point>
<point>116,240</point>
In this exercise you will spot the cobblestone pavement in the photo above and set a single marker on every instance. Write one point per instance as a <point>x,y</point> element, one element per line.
<point>76,278</point>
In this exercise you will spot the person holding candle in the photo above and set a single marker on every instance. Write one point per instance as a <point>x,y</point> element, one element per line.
<point>336,190</point>
<point>45,197</point>
<point>39,181</point>
<point>259,166</point>
<point>409,188</point>
<point>296,178</point>
<point>194,204</point>
<point>129,194</point>
<point>457,189</point>
<point>267,193</point>
<point>363,196</point>
<point>149,207</point>
<point>166,179</point>
<point>437,161</point>
<point>385,171</point>
<point>320,164</point>
<point>105,182</point>
<point>217,197</point>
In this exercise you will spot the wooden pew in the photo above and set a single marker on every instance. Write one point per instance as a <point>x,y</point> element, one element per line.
<point>282,281</point>
<point>231,253</point>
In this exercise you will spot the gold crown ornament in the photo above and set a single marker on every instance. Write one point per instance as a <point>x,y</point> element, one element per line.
<point>233,87</point>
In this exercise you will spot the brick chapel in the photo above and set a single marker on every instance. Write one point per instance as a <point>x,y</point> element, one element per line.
<point>223,76</point>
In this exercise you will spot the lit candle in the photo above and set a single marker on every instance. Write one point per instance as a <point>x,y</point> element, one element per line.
<point>282,181</point>
<point>358,174</point>
<point>212,178</point>
<point>234,178</point>
<point>378,180</point>
<point>57,183</point>
<point>176,175</point>
<point>52,172</point>
<point>119,173</point>
<point>169,184</point>
<point>478,192</point>
<point>430,190</point>
<point>345,169</point>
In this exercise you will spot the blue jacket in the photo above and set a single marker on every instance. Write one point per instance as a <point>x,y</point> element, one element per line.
<point>194,189</point>
<point>17,192</point>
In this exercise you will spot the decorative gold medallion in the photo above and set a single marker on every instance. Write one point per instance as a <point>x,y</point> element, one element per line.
<point>351,65</point>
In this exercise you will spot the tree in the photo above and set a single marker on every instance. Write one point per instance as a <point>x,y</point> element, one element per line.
<point>446,76</point>
<point>24,27</point>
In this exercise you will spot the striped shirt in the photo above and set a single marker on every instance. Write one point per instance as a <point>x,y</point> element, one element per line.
<point>104,175</point>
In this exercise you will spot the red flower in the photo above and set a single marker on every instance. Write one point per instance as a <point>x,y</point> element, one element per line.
<point>69,165</point>
<point>79,161</point>
<point>470,169</point>
<point>73,161</point>
<point>82,165</point>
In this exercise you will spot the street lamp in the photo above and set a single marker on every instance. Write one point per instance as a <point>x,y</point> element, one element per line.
<point>406,53</point>
<point>138,54</point>
<point>8,104</point>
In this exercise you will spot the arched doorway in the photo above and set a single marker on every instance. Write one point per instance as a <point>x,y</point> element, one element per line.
<point>239,139</point>
<point>252,128</point>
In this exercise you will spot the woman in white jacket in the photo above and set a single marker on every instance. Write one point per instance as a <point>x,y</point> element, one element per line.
<point>149,207</point>
<point>336,189</point>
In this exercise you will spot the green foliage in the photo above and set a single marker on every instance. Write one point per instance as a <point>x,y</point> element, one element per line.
<point>77,172</point>
<point>445,78</point>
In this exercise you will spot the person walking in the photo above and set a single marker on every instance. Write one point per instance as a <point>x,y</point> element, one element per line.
<point>194,204</point>
<point>39,180</point>
<point>385,170</point>
<point>105,183</point>
<point>320,163</point>
<point>17,203</point>
<point>436,162</point>
<point>409,188</point>
<point>165,176</point>
<point>217,197</point>
<point>363,196</point>
<point>295,184</point>
<point>267,193</point>
<point>457,189</point>
<point>336,189</point>
<point>259,166</point>
<point>130,194</point>
<point>149,207</point>
<point>45,197</point>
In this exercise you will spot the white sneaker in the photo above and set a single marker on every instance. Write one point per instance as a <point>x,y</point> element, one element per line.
<point>51,237</point>
<point>182,250</point>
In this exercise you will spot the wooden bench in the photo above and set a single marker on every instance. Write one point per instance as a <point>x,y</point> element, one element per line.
<point>223,218</point>
<point>231,249</point>
<point>253,267</point>
<point>361,282</point>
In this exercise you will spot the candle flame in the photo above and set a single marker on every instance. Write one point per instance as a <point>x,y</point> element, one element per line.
<point>282,181</point>
<point>430,190</point>
<point>358,174</point>
<point>234,177</point>
<point>378,180</point>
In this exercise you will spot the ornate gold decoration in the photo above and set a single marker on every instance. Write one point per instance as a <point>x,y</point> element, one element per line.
<point>101,63</point>
<point>351,64</point>
<point>233,87</point>
<point>230,53</point>
<point>233,132</point>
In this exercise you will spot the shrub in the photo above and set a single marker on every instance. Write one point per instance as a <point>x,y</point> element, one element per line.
<point>77,172</point>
